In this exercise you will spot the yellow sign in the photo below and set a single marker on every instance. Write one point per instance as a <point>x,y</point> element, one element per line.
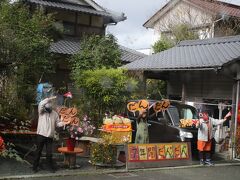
<point>142,153</point>
<point>118,137</point>
<point>144,105</point>
<point>138,106</point>
<point>156,152</point>
<point>151,152</point>
<point>169,152</point>
<point>132,106</point>
<point>161,152</point>
<point>161,105</point>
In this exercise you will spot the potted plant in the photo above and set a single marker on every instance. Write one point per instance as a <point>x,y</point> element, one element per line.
<point>75,132</point>
<point>88,130</point>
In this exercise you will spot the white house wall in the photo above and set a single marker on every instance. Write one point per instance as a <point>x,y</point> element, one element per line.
<point>182,13</point>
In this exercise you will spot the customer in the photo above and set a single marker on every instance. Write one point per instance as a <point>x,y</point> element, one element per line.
<point>205,136</point>
<point>142,136</point>
<point>47,121</point>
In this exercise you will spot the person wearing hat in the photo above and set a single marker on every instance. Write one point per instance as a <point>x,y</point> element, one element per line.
<point>47,121</point>
<point>205,135</point>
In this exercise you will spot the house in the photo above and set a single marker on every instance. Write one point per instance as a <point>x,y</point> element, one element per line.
<point>70,46</point>
<point>78,18</point>
<point>207,68</point>
<point>208,18</point>
<point>206,72</point>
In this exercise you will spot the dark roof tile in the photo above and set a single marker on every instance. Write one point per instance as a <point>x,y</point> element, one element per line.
<point>192,54</point>
<point>73,6</point>
<point>218,7</point>
<point>71,46</point>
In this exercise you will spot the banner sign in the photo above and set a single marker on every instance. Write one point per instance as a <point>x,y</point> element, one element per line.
<point>145,105</point>
<point>158,155</point>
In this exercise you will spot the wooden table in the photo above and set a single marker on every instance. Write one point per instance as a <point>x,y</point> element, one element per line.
<point>70,156</point>
<point>22,133</point>
<point>19,132</point>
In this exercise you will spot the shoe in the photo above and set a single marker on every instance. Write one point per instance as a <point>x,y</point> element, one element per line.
<point>202,162</point>
<point>208,162</point>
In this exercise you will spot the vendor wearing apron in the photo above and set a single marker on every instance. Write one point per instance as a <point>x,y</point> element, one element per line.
<point>205,135</point>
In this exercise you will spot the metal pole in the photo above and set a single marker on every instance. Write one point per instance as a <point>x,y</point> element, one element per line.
<point>183,93</point>
<point>236,115</point>
<point>219,127</point>
<point>126,155</point>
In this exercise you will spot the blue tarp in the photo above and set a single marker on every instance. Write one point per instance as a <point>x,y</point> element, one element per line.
<point>44,90</point>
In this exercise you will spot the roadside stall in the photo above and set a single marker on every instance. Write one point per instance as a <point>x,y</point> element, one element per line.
<point>158,154</point>
<point>115,133</point>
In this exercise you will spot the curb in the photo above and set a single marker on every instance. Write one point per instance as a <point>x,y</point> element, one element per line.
<point>72,173</point>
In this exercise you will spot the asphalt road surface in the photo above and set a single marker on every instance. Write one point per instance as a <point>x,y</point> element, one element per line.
<point>200,173</point>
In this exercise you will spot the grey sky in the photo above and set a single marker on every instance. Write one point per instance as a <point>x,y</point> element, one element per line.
<point>131,32</point>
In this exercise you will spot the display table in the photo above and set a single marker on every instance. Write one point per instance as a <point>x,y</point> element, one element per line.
<point>70,156</point>
<point>19,132</point>
<point>23,134</point>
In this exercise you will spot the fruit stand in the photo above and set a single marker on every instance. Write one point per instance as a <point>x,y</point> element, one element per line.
<point>118,128</point>
<point>115,133</point>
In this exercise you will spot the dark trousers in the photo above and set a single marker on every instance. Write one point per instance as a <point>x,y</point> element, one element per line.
<point>48,142</point>
<point>205,155</point>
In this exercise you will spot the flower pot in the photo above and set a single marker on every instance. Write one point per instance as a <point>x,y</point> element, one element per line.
<point>70,143</point>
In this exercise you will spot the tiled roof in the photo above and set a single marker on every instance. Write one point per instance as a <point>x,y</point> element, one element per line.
<point>218,7</point>
<point>130,55</point>
<point>212,7</point>
<point>192,54</point>
<point>66,46</point>
<point>72,46</point>
<point>73,6</point>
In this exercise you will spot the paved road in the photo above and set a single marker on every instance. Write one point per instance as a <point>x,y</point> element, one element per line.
<point>200,173</point>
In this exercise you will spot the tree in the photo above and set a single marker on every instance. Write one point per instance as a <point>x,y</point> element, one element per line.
<point>162,45</point>
<point>96,52</point>
<point>25,38</point>
<point>105,89</point>
<point>94,71</point>
<point>183,32</point>
<point>156,89</point>
<point>179,32</point>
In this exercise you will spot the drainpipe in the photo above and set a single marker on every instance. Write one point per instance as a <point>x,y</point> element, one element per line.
<point>213,25</point>
<point>183,93</point>
<point>236,115</point>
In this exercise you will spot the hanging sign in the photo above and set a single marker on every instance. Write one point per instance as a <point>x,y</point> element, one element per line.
<point>144,105</point>
<point>161,105</point>
<point>132,107</point>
